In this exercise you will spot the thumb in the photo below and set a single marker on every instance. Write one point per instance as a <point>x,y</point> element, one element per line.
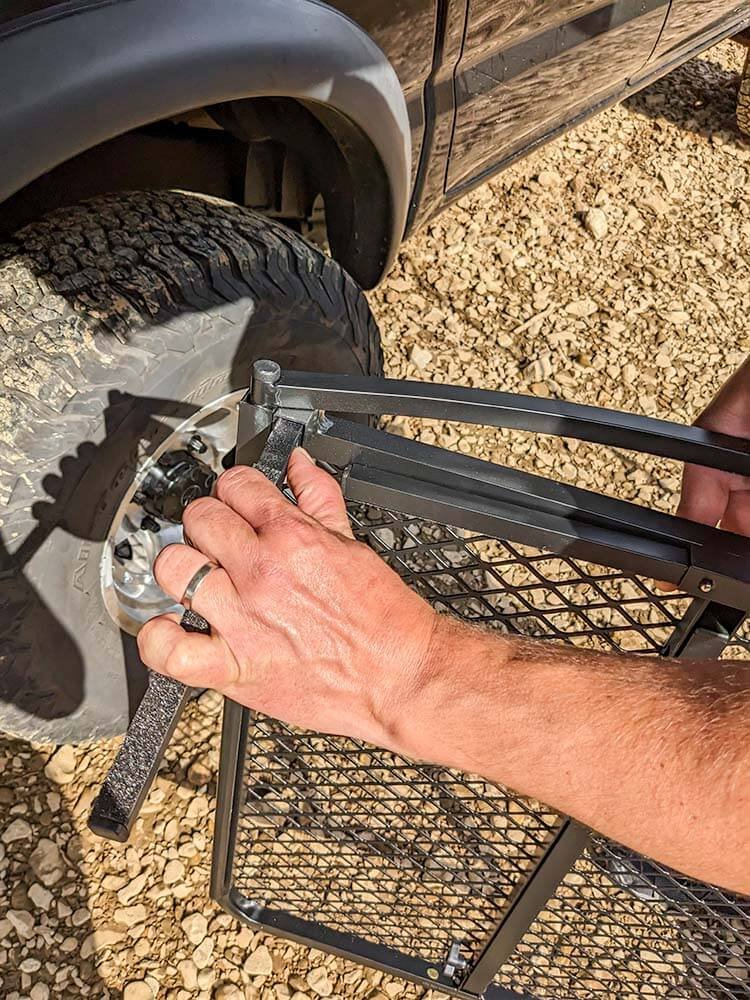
<point>317,493</point>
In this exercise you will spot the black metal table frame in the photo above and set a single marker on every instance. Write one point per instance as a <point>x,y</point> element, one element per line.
<point>283,408</point>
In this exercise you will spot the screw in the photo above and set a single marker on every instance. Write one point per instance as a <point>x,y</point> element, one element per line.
<point>433,974</point>
<point>123,551</point>
<point>149,523</point>
<point>197,445</point>
<point>706,585</point>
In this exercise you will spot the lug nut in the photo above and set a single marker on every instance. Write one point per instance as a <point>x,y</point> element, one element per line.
<point>149,523</point>
<point>197,445</point>
<point>123,551</point>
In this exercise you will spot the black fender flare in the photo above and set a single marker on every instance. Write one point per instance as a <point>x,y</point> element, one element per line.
<point>72,81</point>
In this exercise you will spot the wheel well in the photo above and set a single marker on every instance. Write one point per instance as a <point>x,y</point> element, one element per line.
<point>277,155</point>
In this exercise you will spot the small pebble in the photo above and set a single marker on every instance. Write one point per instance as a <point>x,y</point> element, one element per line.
<point>137,989</point>
<point>39,896</point>
<point>596,223</point>
<point>202,954</point>
<point>319,982</point>
<point>60,768</point>
<point>259,962</point>
<point>195,927</point>
<point>174,872</point>
<point>47,862</point>
<point>18,829</point>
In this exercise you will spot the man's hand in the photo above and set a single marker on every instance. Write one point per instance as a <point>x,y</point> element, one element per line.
<point>308,625</point>
<point>713,497</point>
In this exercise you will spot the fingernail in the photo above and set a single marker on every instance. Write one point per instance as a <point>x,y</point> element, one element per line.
<point>307,455</point>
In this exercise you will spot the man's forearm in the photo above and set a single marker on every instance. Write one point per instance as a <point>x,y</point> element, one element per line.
<point>651,752</point>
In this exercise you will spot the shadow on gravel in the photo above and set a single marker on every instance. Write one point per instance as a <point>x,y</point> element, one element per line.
<point>44,912</point>
<point>698,97</point>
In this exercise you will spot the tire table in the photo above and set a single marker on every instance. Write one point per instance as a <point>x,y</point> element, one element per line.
<point>443,877</point>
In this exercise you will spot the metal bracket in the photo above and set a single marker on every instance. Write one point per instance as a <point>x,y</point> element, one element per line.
<point>378,397</point>
<point>455,963</point>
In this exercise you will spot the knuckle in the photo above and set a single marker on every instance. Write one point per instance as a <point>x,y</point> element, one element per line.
<point>237,478</point>
<point>204,509</point>
<point>198,508</point>
<point>179,661</point>
<point>279,514</point>
<point>145,635</point>
<point>300,535</point>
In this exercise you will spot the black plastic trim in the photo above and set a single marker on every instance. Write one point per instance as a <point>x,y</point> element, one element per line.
<point>78,81</point>
<point>23,14</point>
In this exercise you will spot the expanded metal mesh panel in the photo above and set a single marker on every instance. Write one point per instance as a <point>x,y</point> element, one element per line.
<point>365,842</point>
<point>739,647</point>
<point>621,926</point>
<point>415,857</point>
<point>520,589</point>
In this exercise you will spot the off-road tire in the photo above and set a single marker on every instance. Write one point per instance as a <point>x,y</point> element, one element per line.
<point>743,99</point>
<point>114,316</point>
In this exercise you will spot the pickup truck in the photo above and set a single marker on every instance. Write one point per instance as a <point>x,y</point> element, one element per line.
<point>162,165</point>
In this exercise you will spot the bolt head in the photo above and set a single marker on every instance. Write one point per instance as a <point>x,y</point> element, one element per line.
<point>706,585</point>
<point>197,445</point>
<point>433,974</point>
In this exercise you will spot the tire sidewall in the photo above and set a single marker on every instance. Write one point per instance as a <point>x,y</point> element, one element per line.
<point>66,572</point>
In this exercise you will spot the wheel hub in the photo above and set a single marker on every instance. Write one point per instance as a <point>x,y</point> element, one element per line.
<point>184,467</point>
<point>176,480</point>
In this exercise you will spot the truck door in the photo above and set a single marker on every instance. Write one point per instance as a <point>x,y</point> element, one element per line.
<point>689,21</point>
<point>530,66</point>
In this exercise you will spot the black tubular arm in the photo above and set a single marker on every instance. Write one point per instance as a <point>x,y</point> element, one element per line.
<point>481,496</point>
<point>381,397</point>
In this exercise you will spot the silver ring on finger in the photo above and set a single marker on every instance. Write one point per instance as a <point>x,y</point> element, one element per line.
<point>195,581</point>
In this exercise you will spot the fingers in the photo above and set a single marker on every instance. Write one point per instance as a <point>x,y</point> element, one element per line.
<point>736,517</point>
<point>705,494</point>
<point>174,568</point>
<point>317,493</point>
<point>248,493</point>
<point>195,659</point>
<point>703,499</point>
<point>252,496</point>
<point>222,534</point>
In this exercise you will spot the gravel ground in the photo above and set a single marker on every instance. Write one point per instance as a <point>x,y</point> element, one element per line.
<point>611,267</point>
